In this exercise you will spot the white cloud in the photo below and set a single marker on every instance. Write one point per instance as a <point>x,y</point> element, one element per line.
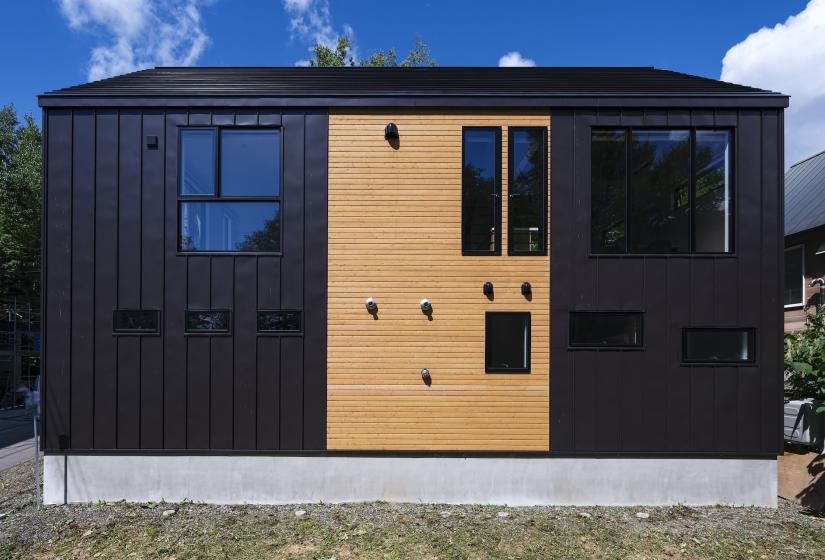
<point>514,58</point>
<point>311,22</point>
<point>140,33</point>
<point>789,58</point>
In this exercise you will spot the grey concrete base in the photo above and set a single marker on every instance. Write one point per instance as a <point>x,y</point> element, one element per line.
<point>511,481</point>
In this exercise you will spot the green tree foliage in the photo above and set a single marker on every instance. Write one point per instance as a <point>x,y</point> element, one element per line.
<point>20,160</point>
<point>342,55</point>
<point>805,360</point>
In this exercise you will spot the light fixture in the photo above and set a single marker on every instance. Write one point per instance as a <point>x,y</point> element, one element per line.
<point>526,289</point>
<point>425,376</point>
<point>371,305</point>
<point>426,306</point>
<point>151,141</point>
<point>390,132</point>
<point>488,288</point>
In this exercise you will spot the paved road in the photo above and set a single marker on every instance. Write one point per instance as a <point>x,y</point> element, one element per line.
<point>16,437</point>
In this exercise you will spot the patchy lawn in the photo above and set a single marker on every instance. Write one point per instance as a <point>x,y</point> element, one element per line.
<point>380,530</point>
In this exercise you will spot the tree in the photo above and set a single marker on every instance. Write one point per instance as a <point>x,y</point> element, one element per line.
<point>341,55</point>
<point>20,160</point>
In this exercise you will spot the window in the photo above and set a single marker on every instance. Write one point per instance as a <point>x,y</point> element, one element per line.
<point>661,191</point>
<point>136,321</point>
<point>279,321</point>
<point>233,205</point>
<point>481,191</point>
<point>507,341</point>
<point>795,276</point>
<point>606,329</point>
<point>208,321</point>
<point>718,345</point>
<point>527,191</point>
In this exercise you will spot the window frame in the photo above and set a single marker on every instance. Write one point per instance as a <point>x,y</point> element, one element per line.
<point>606,347</point>
<point>692,129</point>
<point>217,197</point>
<point>799,247</point>
<point>226,332</point>
<point>751,362</point>
<point>122,332</point>
<point>497,209</point>
<point>488,342</point>
<point>510,169</point>
<point>299,332</point>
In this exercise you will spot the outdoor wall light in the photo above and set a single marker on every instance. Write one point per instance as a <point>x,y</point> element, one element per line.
<point>390,132</point>
<point>371,305</point>
<point>425,376</point>
<point>526,289</point>
<point>488,288</point>
<point>151,141</point>
<point>426,306</point>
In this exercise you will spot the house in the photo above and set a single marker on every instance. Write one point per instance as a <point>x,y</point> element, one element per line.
<point>804,238</point>
<point>485,285</point>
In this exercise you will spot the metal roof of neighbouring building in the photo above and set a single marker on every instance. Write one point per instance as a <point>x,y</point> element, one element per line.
<point>404,82</point>
<point>805,194</point>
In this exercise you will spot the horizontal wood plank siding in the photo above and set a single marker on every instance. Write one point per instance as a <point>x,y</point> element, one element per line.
<point>395,235</point>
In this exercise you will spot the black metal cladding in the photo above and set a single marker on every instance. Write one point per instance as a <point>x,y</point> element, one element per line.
<point>110,243</point>
<point>613,401</point>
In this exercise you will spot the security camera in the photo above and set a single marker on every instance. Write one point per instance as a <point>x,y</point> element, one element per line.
<point>426,306</point>
<point>371,305</point>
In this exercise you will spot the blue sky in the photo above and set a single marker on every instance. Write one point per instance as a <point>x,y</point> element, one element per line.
<point>55,43</point>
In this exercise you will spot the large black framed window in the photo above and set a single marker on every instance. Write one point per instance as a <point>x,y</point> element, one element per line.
<point>481,191</point>
<point>507,341</point>
<point>229,197</point>
<point>661,191</point>
<point>527,191</point>
<point>606,329</point>
<point>794,295</point>
<point>718,345</point>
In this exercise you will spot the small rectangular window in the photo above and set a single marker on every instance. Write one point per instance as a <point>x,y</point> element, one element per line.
<point>527,191</point>
<point>136,321</point>
<point>197,161</point>
<point>230,226</point>
<point>795,276</point>
<point>718,345</point>
<point>507,341</point>
<point>481,191</point>
<point>208,321</point>
<point>606,329</point>
<point>279,321</point>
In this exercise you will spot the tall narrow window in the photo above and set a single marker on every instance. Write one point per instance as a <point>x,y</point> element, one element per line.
<point>795,276</point>
<point>607,172</point>
<point>527,191</point>
<point>238,207</point>
<point>481,191</point>
<point>713,194</point>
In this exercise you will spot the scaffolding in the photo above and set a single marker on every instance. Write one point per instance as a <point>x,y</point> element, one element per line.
<point>19,349</point>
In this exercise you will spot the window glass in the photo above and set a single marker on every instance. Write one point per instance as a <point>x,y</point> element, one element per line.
<point>207,321</point>
<point>794,276</point>
<point>279,320</point>
<point>197,161</point>
<point>230,226</point>
<point>608,329</point>
<point>718,345</point>
<point>713,194</point>
<point>659,192</point>
<point>136,321</point>
<point>250,162</point>
<point>507,340</point>
<point>481,191</point>
<point>607,171</point>
<point>526,190</point>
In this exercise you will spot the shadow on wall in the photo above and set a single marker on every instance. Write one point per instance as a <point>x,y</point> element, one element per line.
<point>813,495</point>
<point>801,476</point>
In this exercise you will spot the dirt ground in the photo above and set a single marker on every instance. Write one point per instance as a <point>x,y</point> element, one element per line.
<point>380,530</point>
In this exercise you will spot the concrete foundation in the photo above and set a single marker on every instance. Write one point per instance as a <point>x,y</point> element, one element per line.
<point>510,481</point>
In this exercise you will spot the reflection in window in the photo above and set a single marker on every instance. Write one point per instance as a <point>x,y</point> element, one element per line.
<point>606,329</point>
<point>794,276</point>
<point>136,321</point>
<point>526,190</point>
<point>207,321</point>
<point>279,320</point>
<point>718,345</point>
<point>250,162</point>
<point>713,216</point>
<point>481,191</point>
<point>607,172</point>
<point>230,226</point>
<point>507,341</point>
<point>197,161</point>
<point>659,186</point>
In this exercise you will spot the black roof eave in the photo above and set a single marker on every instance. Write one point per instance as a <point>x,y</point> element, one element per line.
<point>600,100</point>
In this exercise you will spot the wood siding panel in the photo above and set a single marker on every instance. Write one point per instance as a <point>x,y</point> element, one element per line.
<point>395,235</point>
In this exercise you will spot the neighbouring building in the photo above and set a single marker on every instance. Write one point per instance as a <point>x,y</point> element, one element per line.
<point>490,285</point>
<point>804,238</point>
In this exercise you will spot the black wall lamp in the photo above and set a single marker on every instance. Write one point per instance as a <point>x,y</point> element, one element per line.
<point>487,288</point>
<point>391,132</point>
<point>526,289</point>
<point>151,141</point>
